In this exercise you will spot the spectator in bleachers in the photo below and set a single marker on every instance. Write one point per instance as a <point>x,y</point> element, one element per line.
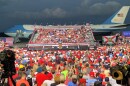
<point>66,36</point>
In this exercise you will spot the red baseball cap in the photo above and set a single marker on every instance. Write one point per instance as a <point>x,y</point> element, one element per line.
<point>91,74</point>
<point>82,81</point>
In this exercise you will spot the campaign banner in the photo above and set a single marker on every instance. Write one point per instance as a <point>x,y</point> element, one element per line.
<point>7,40</point>
<point>109,39</point>
<point>126,33</point>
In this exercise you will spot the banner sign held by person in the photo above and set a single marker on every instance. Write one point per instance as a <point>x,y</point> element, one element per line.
<point>109,39</point>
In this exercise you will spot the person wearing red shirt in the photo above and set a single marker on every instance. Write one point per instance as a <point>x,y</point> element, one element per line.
<point>49,75</point>
<point>41,76</point>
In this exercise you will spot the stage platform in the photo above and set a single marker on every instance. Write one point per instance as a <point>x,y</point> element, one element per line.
<point>59,47</point>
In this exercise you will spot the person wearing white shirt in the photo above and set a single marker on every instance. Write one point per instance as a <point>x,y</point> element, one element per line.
<point>53,58</point>
<point>48,82</point>
<point>113,82</point>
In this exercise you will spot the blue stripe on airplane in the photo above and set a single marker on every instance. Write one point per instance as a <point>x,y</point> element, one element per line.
<point>17,27</point>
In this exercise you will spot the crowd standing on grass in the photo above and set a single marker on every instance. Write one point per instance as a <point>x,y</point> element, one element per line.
<point>69,67</point>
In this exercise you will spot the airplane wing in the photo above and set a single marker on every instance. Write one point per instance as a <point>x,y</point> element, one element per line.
<point>120,26</point>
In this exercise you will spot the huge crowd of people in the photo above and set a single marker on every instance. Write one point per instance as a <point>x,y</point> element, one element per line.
<point>69,67</point>
<point>52,36</point>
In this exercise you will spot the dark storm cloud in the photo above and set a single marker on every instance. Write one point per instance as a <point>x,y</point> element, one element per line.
<point>47,8</point>
<point>2,2</point>
<point>14,12</point>
<point>104,8</point>
<point>98,7</point>
<point>56,12</point>
<point>54,8</point>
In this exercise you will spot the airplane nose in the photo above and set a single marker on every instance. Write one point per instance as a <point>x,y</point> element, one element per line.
<point>6,31</point>
<point>9,30</point>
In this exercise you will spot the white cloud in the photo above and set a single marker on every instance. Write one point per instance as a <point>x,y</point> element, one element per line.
<point>85,3</point>
<point>57,12</point>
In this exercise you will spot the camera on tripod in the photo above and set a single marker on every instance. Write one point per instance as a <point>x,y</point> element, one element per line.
<point>121,73</point>
<point>7,60</point>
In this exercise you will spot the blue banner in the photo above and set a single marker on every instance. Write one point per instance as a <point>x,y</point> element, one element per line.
<point>126,33</point>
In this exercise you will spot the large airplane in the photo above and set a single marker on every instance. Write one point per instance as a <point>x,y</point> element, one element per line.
<point>115,22</point>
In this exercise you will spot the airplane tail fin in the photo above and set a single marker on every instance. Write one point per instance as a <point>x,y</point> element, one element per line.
<point>119,17</point>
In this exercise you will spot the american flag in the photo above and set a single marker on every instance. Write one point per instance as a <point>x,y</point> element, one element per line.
<point>120,15</point>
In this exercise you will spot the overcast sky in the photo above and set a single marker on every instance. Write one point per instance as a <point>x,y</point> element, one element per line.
<point>14,12</point>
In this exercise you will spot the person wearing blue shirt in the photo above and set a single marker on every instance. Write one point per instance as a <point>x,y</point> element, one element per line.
<point>72,84</point>
<point>91,80</point>
<point>74,81</point>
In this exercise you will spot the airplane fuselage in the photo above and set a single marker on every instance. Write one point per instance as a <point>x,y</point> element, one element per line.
<point>28,29</point>
<point>106,27</point>
<point>25,34</point>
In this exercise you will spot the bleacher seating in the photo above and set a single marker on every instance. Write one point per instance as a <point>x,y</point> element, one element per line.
<point>54,36</point>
